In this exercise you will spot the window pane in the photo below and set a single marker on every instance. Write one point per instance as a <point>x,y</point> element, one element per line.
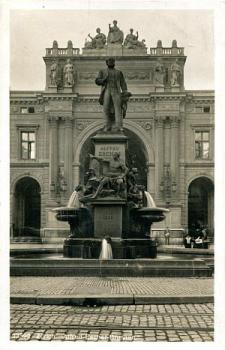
<point>206,136</point>
<point>197,135</point>
<point>24,110</point>
<point>31,136</point>
<point>32,150</point>
<point>24,150</point>
<point>197,149</point>
<point>24,136</point>
<point>31,110</point>
<point>206,109</point>
<point>205,153</point>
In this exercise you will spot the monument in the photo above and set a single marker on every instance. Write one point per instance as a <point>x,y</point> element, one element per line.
<point>111,203</point>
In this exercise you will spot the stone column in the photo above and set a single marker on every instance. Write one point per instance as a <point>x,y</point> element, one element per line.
<point>68,153</point>
<point>53,150</point>
<point>174,149</point>
<point>158,153</point>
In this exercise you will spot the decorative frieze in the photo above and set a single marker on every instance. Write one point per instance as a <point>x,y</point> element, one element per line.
<point>87,76</point>
<point>82,124</point>
<point>138,75</point>
<point>140,107</point>
<point>145,124</point>
<point>85,106</point>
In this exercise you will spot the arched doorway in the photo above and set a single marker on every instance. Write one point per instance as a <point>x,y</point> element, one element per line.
<point>27,208</point>
<point>201,203</point>
<point>136,156</point>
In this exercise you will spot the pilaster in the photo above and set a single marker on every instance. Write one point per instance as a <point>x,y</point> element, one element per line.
<point>53,150</point>
<point>68,153</point>
<point>158,153</point>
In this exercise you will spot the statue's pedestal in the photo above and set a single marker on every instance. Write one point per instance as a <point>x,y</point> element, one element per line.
<point>114,50</point>
<point>67,89</point>
<point>138,51</point>
<point>108,143</point>
<point>108,217</point>
<point>52,88</point>
<point>175,88</point>
<point>94,52</point>
<point>159,88</point>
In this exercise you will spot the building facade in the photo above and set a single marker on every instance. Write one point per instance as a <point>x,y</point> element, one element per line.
<point>170,131</point>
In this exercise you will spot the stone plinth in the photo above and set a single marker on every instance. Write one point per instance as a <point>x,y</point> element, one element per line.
<point>108,143</point>
<point>114,50</point>
<point>94,52</point>
<point>139,51</point>
<point>175,88</point>
<point>68,89</point>
<point>108,217</point>
<point>159,88</point>
<point>52,88</point>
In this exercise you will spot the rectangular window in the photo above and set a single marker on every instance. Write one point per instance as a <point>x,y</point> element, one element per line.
<point>28,145</point>
<point>201,144</point>
<point>25,110</point>
<point>206,109</point>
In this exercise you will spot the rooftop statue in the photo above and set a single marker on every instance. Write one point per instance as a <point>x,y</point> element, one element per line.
<point>159,73</point>
<point>98,42</point>
<point>131,41</point>
<point>175,74</point>
<point>54,73</point>
<point>68,73</point>
<point>115,35</point>
<point>113,97</point>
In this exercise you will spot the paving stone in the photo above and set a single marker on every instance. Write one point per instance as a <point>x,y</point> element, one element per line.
<point>59,323</point>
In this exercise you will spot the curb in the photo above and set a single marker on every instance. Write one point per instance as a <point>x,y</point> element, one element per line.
<point>117,299</point>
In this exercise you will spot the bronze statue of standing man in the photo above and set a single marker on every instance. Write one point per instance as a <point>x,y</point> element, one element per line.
<point>114,95</point>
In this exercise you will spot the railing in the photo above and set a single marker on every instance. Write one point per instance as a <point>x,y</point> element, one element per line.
<point>155,51</point>
<point>62,52</point>
<point>167,51</point>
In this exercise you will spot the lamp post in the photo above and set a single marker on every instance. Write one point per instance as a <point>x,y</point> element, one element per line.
<point>168,186</point>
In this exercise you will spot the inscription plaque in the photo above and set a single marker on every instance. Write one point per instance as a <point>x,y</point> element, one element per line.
<point>108,220</point>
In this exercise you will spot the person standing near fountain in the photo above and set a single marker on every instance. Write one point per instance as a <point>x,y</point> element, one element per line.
<point>167,236</point>
<point>106,250</point>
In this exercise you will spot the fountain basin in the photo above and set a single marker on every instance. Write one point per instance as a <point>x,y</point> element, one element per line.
<point>122,248</point>
<point>110,268</point>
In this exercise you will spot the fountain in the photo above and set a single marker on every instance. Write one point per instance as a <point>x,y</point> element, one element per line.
<point>109,213</point>
<point>110,204</point>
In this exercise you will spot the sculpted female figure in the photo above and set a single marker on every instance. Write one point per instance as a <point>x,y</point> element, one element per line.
<point>115,34</point>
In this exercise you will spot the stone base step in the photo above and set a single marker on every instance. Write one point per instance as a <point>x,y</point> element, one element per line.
<point>118,267</point>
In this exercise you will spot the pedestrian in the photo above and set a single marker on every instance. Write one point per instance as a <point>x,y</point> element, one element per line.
<point>167,236</point>
<point>198,242</point>
<point>187,241</point>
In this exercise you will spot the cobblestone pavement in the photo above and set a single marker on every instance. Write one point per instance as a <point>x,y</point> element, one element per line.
<point>173,323</point>
<point>113,285</point>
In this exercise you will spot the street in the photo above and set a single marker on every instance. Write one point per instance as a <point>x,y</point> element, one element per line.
<point>163,322</point>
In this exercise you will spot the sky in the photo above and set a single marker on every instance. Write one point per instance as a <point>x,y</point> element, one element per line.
<point>31,31</point>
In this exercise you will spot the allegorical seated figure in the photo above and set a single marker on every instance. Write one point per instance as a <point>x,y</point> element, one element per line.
<point>98,42</point>
<point>131,41</point>
<point>134,191</point>
<point>115,35</point>
<point>113,178</point>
